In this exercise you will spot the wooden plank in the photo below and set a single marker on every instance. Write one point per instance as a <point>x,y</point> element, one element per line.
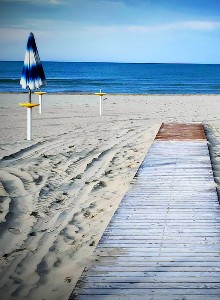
<point>154,274</point>
<point>156,268</point>
<point>177,131</point>
<point>152,279</point>
<point>163,242</point>
<point>159,260</point>
<point>144,291</point>
<point>145,297</point>
<point>215,264</point>
<point>146,285</point>
<point>160,255</point>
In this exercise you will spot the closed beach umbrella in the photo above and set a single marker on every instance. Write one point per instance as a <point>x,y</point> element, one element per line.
<point>32,78</point>
<point>33,74</point>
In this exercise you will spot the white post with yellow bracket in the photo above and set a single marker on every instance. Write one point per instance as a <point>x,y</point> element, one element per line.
<point>100,101</point>
<point>29,107</point>
<point>40,100</point>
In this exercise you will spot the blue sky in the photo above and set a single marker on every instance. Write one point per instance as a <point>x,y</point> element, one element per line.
<point>186,31</point>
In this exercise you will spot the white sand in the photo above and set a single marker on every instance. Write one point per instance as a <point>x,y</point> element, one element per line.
<point>59,191</point>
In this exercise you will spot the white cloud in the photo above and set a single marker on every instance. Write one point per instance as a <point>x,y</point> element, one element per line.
<point>191,25</point>
<point>200,25</point>
<point>56,2</point>
<point>15,34</point>
<point>53,2</point>
<point>101,29</point>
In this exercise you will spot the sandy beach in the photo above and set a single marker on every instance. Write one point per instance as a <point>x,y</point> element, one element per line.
<point>59,191</point>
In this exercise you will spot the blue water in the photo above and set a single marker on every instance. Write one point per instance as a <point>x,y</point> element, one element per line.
<point>70,77</point>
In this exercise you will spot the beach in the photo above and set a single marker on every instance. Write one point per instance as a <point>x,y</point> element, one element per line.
<point>60,190</point>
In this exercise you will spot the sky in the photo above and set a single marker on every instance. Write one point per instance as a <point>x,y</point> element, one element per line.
<point>148,31</point>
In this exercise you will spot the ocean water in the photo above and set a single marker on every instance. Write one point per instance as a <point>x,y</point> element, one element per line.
<point>120,78</point>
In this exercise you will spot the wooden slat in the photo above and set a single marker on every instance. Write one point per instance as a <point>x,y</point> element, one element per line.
<point>163,241</point>
<point>181,132</point>
<point>146,297</point>
<point>144,291</point>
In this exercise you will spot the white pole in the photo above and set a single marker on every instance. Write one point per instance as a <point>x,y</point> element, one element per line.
<point>100,100</point>
<point>29,124</point>
<point>40,102</point>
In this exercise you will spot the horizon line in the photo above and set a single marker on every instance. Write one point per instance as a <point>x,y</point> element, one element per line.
<point>116,62</point>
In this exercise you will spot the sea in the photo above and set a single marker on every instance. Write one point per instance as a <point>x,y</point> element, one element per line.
<point>118,78</point>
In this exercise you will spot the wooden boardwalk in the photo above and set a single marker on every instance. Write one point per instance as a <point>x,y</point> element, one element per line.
<point>163,241</point>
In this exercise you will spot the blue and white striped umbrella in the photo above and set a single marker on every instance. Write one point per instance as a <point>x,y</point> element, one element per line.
<point>33,74</point>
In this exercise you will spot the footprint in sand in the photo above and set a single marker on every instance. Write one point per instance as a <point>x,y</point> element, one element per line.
<point>67,279</point>
<point>86,214</point>
<point>99,185</point>
<point>38,179</point>
<point>14,230</point>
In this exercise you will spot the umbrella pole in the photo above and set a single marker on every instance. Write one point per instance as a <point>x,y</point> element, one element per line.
<point>100,104</point>
<point>40,102</point>
<point>29,124</point>
<point>29,119</point>
<point>100,94</point>
<point>29,95</point>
